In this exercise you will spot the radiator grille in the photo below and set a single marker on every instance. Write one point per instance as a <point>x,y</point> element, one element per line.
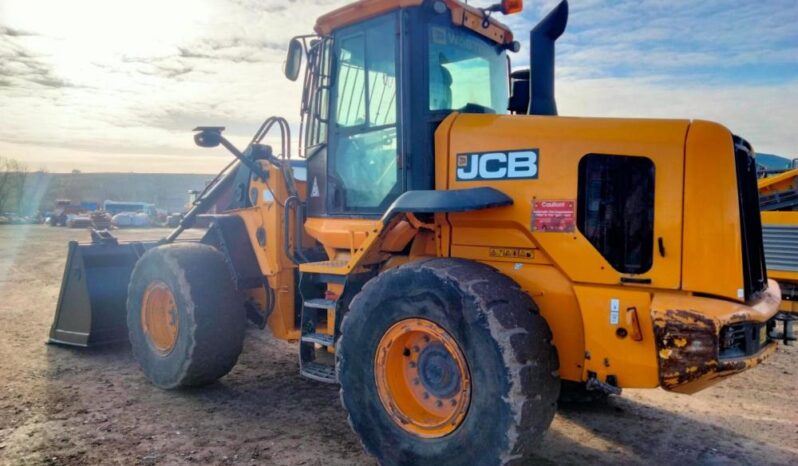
<point>781,247</point>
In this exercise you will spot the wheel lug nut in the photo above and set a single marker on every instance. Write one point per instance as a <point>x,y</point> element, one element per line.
<point>416,381</point>
<point>425,395</point>
<point>426,339</point>
<point>439,403</point>
<point>416,349</point>
<point>454,402</point>
<point>412,365</point>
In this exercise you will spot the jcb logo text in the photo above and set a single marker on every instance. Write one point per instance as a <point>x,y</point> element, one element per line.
<point>515,165</point>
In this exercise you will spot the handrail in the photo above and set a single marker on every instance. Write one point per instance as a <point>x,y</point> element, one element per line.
<point>292,255</point>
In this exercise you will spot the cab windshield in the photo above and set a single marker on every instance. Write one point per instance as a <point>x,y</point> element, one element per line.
<point>466,72</point>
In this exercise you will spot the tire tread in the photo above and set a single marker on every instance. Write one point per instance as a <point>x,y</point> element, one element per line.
<point>513,317</point>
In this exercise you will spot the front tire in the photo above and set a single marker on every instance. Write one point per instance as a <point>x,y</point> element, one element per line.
<point>488,349</point>
<point>185,321</point>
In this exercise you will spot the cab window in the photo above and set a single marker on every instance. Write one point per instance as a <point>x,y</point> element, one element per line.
<point>466,72</point>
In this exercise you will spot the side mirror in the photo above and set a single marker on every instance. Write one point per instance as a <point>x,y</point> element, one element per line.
<point>794,163</point>
<point>208,136</point>
<point>293,61</point>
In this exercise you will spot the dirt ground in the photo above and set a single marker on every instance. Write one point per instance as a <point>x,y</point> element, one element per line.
<point>68,406</point>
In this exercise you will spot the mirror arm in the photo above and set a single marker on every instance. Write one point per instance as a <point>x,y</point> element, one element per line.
<point>253,166</point>
<point>211,136</point>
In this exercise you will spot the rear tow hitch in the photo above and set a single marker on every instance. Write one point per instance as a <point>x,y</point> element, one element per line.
<point>594,384</point>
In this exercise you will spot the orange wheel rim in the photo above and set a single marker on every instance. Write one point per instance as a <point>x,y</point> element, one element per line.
<point>422,378</point>
<point>159,317</point>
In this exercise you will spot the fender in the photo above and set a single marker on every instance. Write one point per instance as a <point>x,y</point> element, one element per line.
<point>229,235</point>
<point>460,200</point>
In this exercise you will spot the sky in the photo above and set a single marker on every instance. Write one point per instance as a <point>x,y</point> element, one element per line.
<point>117,86</point>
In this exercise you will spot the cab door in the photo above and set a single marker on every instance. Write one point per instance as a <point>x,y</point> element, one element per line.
<point>364,173</point>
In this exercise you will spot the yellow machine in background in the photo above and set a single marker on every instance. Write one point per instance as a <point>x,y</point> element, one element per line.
<point>452,253</point>
<point>779,204</point>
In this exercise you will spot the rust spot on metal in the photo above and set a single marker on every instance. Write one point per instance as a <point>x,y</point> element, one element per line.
<point>687,345</point>
<point>743,316</point>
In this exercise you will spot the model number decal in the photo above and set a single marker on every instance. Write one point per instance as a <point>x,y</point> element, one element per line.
<point>521,164</point>
<point>513,253</point>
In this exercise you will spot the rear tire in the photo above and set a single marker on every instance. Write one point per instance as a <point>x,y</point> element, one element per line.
<point>204,333</point>
<point>512,366</point>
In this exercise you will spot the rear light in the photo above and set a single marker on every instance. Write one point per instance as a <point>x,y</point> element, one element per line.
<point>745,339</point>
<point>511,7</point>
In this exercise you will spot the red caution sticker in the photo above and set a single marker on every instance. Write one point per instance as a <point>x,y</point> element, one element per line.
<point>555,216</point>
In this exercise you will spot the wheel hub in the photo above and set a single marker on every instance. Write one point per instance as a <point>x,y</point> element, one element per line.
<point>438,371</point>
<point>422,378</point>
<point>159,318</point>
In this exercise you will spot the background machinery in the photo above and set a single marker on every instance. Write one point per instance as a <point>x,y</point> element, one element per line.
<point>445,257</point>
<point>779,205</point>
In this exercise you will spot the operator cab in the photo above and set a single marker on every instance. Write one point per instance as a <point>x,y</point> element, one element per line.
<point>379,81</point>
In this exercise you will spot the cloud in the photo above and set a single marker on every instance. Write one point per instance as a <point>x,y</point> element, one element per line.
<point>742,40</point>
<point>125,95</point>
<point>11,32</point>
<point>128,83</point>
<point>732,63</point>
<point>764,115</point>
<point>20,65</point>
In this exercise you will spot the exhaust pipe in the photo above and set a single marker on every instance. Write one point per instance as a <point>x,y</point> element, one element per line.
<point>542,38</point>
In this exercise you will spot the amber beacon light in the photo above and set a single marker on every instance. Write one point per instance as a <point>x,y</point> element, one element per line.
<point>507,7</point>
<point>511,7</point>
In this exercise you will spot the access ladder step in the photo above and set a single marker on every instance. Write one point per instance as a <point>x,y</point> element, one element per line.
<point>332,267</point>
<point>320,303</point>
<point>319,372</point>
<point>319,338</point>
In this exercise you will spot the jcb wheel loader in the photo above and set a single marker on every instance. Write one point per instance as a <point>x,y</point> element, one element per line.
<point>446,250</point>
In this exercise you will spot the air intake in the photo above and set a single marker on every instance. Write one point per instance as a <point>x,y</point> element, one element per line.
<point>542,39</point>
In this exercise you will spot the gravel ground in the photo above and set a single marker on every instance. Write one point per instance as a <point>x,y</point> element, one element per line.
<point>68,406</point>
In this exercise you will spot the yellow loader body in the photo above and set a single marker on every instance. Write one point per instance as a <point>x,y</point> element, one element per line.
<point>669,319</point>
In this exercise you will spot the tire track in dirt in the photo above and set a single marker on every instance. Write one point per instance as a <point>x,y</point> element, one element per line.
<point>76,407</point>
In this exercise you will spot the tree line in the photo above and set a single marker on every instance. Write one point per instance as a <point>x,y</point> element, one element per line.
<point>13,177</point>
<point>26,192</point>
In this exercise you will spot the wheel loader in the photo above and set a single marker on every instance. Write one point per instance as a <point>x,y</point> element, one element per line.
<point>445,247</point>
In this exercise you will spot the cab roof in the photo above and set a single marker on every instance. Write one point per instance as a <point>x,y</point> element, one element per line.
<point>462,15</point>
